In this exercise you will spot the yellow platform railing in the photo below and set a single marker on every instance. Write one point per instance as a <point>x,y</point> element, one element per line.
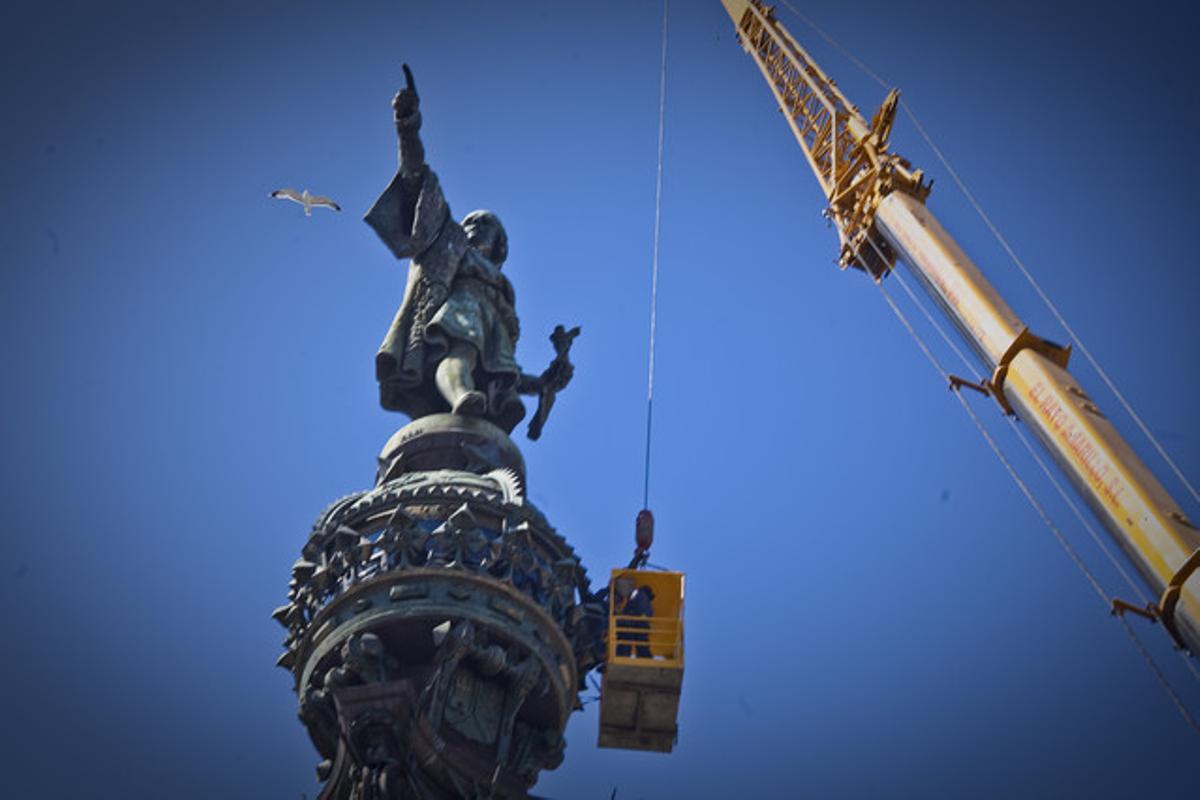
<point>654,641</point>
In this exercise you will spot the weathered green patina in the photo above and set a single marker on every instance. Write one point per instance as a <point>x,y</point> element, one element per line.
<point>452,343</point>
<point>438,628</point>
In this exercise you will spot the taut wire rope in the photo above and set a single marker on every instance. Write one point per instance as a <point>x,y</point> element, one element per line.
<point>1011,254</point>
<point>1062,493</point>
<point>1037,506</point>
<point>658,182</point>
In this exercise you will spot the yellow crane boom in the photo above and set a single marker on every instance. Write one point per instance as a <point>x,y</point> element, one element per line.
<point>878,204</point>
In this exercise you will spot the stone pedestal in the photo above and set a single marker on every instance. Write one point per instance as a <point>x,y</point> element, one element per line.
<point>435,629</point>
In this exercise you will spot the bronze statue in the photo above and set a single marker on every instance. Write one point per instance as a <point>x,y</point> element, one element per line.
<point>451,346</point>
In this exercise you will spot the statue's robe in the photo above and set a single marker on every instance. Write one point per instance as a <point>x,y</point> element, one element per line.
<point>453,294</point>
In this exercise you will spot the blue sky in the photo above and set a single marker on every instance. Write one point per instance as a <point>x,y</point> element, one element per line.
<point>873,609</point>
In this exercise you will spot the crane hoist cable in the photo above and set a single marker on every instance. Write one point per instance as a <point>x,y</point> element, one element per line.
<point>1020,265</point>
<point>658,182</point>
<point>644,524</point>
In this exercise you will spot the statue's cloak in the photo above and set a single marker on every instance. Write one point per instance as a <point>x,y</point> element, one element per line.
<point>453,294</point>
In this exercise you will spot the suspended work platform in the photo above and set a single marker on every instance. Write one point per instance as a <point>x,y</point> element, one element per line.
<point>643,674</point>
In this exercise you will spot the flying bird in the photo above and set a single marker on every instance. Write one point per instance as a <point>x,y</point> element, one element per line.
<point>305,199</point>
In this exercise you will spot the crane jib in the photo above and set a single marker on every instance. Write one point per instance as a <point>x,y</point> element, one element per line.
<point>877,203</point>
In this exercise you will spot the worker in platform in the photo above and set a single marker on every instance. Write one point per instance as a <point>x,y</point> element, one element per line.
<point>637,602</point>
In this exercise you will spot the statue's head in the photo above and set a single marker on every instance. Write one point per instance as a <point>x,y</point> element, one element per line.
<point>486,234</point>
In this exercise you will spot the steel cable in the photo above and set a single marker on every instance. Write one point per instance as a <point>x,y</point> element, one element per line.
<point>658,181</point>
<point>1062,493</point>
<point>1037,506</point>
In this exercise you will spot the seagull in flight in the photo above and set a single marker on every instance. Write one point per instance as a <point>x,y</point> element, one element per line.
<point>305,199</point>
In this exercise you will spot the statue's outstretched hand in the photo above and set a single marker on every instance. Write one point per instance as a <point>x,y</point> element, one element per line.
<point>553,379</point>
<point>557,376</point>
<point>406,102</point>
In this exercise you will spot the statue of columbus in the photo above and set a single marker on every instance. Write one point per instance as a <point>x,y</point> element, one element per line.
<point>451,346</point>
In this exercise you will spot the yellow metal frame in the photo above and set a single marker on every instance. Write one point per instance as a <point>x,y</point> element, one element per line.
<point>664,631</point>
<point>847,155</point>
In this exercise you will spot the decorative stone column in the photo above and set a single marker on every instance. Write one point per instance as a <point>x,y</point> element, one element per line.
<point>437,628</point>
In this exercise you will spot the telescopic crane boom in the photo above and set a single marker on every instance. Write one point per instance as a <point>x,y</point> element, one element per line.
<point>878,204</point>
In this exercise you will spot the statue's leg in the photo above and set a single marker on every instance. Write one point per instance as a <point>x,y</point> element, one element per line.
<point>455,383</point>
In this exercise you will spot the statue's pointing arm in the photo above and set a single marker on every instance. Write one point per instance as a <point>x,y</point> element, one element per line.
<point>412,211</point>
<point>406,106</point>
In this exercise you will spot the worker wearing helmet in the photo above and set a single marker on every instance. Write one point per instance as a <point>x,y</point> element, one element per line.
<point>637,602</point>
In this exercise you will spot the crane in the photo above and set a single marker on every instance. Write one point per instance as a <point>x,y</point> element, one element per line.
<point>876,200</point>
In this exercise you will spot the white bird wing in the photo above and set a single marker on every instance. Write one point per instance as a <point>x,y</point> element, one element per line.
<point>287,194</point>
<point>318,200</point>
